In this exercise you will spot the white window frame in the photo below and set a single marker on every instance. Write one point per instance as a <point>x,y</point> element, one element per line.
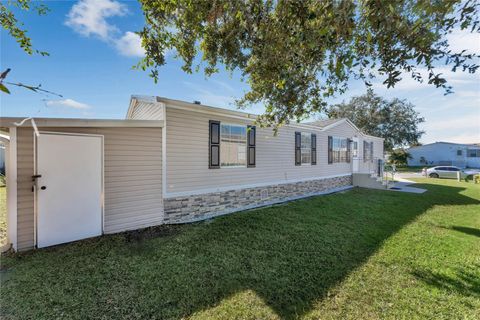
<point>246,144</point>
<point>303,150</point>
<point>333,150</point>
<point>354,150</point>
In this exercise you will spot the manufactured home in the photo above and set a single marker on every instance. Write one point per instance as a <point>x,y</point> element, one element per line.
<point>445,154</point>
<point>168,162</point>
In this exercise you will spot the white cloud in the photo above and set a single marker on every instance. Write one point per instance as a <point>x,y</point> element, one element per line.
<point>68,103</point>
<point>408,83</point>
<point>130,45</point>
<point>88,17</point>
<point>463,40</point>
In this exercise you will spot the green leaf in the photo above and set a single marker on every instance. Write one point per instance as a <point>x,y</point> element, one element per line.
<point>4,89</point>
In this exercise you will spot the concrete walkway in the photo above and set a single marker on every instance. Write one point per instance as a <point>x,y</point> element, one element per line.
<point>403,185</point>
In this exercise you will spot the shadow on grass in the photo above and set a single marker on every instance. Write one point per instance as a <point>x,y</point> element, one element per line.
<point>289,255</point>
<point>464,281</point>
<point>471,231</point>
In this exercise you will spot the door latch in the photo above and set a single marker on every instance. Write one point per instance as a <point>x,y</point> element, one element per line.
<point>34,179</point>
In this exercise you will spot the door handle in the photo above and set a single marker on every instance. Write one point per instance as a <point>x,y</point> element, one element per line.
<point>43,187</point>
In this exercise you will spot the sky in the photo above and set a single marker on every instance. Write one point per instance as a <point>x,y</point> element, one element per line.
<point>93,49</point>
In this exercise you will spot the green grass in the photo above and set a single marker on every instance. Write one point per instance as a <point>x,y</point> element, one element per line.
<point>361,254</point>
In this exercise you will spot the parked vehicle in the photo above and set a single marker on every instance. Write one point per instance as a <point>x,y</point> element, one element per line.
<point>447,172</point>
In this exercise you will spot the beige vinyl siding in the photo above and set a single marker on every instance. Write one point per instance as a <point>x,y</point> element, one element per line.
<point>25,204</point>
<point>187,155</point>
<point>147,110</point>
<point>132,179</point>
<point>367,166</point>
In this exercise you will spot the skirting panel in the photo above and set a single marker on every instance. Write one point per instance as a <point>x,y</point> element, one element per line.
<point>199,207</point>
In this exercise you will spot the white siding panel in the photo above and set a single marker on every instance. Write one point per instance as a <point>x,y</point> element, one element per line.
<point>187,155</point>
<point>147,111</point>
<point>132,172</point>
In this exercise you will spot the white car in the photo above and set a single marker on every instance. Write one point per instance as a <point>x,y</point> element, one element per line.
<point>448,172</point>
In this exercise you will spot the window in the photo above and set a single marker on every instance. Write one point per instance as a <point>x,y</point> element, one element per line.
<point>367,151</point>
<point>473,153</point>
<point>233,145</point>
<point>459,152</point>
<point>339,150</point>
<point>355,149</point>
<point>306,148</point>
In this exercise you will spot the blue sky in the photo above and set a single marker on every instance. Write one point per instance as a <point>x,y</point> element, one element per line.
<point>93,48</point>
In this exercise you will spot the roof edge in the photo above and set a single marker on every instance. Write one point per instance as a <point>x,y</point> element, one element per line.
<point>73,122</point>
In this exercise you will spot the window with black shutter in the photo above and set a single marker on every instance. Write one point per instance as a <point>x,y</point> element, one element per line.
<point>214,145</point>
<point>330,147</point>
<point>298,145</point>
<point>314,148</point>
<point>251,146</point>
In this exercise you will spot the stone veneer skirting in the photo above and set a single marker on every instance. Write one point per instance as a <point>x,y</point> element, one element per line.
<point>203,206</point>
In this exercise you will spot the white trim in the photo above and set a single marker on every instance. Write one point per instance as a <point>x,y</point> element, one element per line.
<point>65,122</point>
<point>246,144</point>
<point>11,173</point>
<point>34,186</point>
<point>102,161</point>
<point>265,204</point>
<point>131,107</point>
<point>164,155</point>
<point>246,186</point>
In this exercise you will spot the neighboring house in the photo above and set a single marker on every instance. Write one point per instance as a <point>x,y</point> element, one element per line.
<point>169,162</point>
<point>445,154</point>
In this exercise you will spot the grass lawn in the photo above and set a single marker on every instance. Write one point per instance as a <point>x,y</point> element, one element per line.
<point>361,254</point>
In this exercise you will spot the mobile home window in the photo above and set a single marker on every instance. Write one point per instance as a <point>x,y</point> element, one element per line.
<point>306,148</point>
<point>367,151</point>
<point>355,149</point>
<point>473,153</point>
<point>233,145</point>
<point>339,150</point>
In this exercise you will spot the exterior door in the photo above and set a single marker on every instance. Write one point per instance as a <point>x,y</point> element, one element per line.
<point>70,189</point>
<point>355,158</point>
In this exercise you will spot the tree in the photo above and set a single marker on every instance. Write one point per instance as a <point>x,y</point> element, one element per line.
<point>295,54</point>
<point>394,120</point>
<point>14,28</point>
<point>399,157</point>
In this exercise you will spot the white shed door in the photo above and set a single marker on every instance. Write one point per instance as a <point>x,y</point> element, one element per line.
<point>69,191</point>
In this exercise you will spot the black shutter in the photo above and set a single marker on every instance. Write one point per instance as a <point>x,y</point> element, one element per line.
<point>349,149</point>
<point>330,147</point>
<point>371,151</point>
<point>251,145</point>
<point>298,145</point>
<point>214,145</point>
<point>314,148</point>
